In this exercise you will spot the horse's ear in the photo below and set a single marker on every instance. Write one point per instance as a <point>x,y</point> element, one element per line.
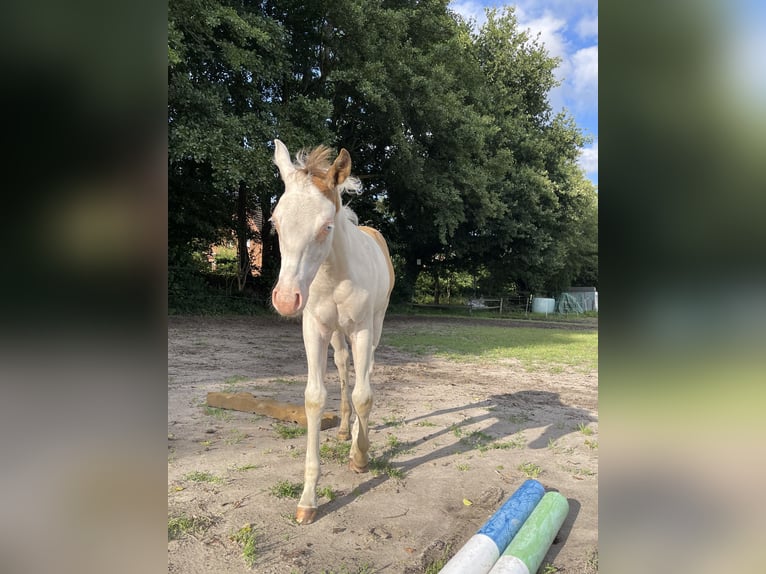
<point>282,159</point>
<point>340,170</point>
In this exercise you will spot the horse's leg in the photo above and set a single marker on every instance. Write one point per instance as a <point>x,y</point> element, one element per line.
<point>316,344</point>
<point>341,356</point>
<point>361,346</point>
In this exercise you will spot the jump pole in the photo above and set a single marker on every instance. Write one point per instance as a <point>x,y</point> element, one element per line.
<point>481,551</point>
<point>526,551</point>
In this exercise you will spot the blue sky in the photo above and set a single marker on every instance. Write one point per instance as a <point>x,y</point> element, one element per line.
<point>569,30</point>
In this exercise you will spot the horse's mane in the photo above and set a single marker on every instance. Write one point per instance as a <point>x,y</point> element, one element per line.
<point>315,163</point>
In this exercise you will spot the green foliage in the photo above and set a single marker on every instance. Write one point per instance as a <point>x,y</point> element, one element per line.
<point>246,538</point>
<point>286,489</point>
<point>464,166</point>
<point>289,431</point>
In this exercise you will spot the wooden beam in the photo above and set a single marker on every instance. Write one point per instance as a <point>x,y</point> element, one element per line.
<point>248,403</point>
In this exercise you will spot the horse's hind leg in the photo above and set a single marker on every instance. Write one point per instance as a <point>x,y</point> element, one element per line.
<point>361,345</point>
<point>341,357</point>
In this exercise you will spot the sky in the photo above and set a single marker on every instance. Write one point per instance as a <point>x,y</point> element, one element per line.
<point>569,30</point>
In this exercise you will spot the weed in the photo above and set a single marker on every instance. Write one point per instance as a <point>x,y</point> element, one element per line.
<point>382,465</point>
<point>585,429</point>
<point>232,381</point>
<point>180,525</point>
<point>393,441</point>
<point>245,537</point>
<point>425,424</point>
<point>287,381</point>
<point>220,414</point>
<point>327,493</point>
<point>530,469</point>
<point>335,452</point>
<point>200,476</point>
<point>591,444</point>
<point>245,467</point>
<point>463,466</point>
<point>286,489</point>
<point>456,430</point>
<point>205,442</point>
<point>393,421</point>
<point>236,437</point>
<point>435,566</point>
<point>549,569</point>
<point>289,431</point>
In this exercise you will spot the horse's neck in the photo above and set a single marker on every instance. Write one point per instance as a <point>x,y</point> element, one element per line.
<point>344,245</point>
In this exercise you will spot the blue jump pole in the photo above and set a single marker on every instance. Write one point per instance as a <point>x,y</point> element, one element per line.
<point>526,551</point>
<point>479,554</point>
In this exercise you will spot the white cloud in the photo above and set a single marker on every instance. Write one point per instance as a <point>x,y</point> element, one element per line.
<point>585,71</point>
<point>470,10</point>
<point>589,158</point>
<point>587,28</point>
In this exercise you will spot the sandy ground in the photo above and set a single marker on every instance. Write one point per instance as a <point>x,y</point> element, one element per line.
<point>424,413</point>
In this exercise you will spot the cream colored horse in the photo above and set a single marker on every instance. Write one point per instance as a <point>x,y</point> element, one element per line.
<point>339,275</point>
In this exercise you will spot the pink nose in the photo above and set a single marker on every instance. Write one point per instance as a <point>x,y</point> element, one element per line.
<point>286,302</point>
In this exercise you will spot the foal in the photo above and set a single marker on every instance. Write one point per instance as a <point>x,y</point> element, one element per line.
<point>340,276</point>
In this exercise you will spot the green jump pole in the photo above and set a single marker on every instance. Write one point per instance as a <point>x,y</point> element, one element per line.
<point>526,551</point>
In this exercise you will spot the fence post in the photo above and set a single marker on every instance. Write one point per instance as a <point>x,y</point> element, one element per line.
<point>501,305</point>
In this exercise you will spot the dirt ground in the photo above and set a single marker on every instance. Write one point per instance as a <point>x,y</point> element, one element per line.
<point>434,420</point>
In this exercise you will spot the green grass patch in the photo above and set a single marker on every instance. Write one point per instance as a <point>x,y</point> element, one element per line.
<point>425,423</point>
<point>550,349</point>
<point>180,525</point>
<point>337,451</point>
<point>200,476</point>
<point>246,537</point>
<point>585,429</point>
<point>286,489</point>
<point>289,431</point>
<point>381,465</point>
<point>530,469</point>
<point>327,492</point>
<point>245,467</point>
<point>393,421</point>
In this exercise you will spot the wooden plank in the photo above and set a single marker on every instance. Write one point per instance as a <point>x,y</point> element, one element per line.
<point>247,402</point>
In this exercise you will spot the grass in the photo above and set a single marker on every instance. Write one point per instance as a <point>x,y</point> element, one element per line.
<point>181,525</point>
<point>435,566</point>
<point>234,380</point>
<point>201,476</point>
<point>463,466</point>
<point>286,489</point>
<point>550,349</point>
<point>246,537</point>
<point>425,424</point>
<point>245,467</point>
<point>585,429</point>
<point>236,437</point>
<point>327,492</point>
<point>393,421</point>
<point>591,444</point>
<point>220,414</point>
<point>382,465</point>
<point>289,431</point>
<point>530,469</point>
<point>337,451</point>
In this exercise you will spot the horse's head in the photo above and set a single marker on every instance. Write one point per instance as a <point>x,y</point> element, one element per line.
<point>304,219</point>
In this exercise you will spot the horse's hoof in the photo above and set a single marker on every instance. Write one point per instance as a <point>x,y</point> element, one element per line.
<point>357,469</point>
<point>344,435</point>
<point>305,515</point>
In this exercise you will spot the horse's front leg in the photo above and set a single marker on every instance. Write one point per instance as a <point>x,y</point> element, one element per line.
<point>342,362</point>
<point>316,340</point>
<point>363,351</point>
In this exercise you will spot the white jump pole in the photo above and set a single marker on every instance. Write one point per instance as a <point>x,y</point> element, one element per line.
<point>526,551</point>
<point>481,551</point>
